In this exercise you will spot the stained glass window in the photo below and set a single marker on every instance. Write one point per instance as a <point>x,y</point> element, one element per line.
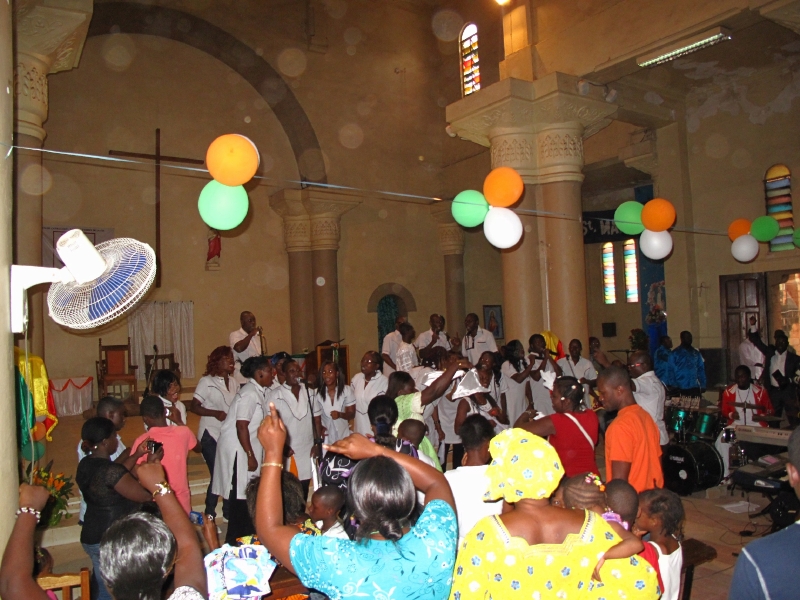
<point>470,65</point>
<point>631,271</point>
<point>609,284</point>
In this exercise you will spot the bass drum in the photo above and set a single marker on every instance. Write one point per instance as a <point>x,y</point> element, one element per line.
<point>691,467</point>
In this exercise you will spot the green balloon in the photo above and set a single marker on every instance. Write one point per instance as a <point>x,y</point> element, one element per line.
<point>38,451</point>
<point>223,207</point>
<point>765,229</point>
<point>628,217</point>
<point>470,208</point>
<point>796,237</point>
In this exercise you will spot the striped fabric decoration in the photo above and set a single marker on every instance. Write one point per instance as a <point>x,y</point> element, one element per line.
<point>778,193</point>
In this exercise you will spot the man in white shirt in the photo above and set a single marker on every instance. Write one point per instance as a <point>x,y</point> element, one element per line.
<point>468,480</point>
<point>751,357</point>
<point>391,342</point>
<point>477,340</point>
<point>648,391</point>
<point>542,363</point>
<point>245,342</point>
<point>406,355</point>
<point>580,368</point>
<point>433,337</point>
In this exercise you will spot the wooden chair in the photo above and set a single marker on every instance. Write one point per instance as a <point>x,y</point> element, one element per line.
<point>157,362</point>
<point>115,371</point>
<point>695,553</point>
<point>66,582</point>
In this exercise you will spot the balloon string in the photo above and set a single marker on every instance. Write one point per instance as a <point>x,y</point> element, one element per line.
<point>430,199</point>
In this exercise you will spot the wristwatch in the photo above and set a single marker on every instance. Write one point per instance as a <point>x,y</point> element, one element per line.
<point>249,454</point>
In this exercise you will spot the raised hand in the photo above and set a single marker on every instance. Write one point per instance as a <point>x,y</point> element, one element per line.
<point>355,446</point>
<point>272,435</point>
<point>34,496</point>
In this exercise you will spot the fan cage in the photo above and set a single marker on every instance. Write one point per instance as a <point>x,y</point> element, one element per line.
<point>130,271</point>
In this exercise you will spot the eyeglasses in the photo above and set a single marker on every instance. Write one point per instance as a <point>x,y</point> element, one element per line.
<point>635,365</point>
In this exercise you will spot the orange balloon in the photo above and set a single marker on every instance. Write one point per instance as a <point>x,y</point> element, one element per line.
<point>658,215</point>
<point>232,159</point>
<point>39,431</point>
<point>738,228</point>
<point>503,187</point>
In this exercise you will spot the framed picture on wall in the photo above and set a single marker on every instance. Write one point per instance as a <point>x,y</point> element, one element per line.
<point>493,320</point>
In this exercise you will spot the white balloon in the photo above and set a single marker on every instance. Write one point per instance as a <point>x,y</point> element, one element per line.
<point>745,248</point>
<point>655,245</point>
<point>502,227</point>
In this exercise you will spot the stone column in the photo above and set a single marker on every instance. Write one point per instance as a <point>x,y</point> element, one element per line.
<point>311,234</point>
<point>49,38</point>
<point>451,245</point>
<point>538,129</point>
<point>297,238</point>
<point>326,209</point>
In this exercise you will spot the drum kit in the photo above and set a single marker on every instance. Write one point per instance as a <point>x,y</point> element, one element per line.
<point>690,462</point>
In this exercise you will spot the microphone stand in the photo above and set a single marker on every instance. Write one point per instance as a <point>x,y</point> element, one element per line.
<point>317,440</point>
<point>152,370</point>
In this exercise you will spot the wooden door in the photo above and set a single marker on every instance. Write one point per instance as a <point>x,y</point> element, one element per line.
<point>741,296</point>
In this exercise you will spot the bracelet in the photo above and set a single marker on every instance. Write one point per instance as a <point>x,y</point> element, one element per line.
<point>279,465</point>
<point>162,489</point>
<point>249,454</point>
<point>437,422</point>
<point>29,510</point>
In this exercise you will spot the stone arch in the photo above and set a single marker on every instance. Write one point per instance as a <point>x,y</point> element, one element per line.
<point>406,302</point>
<point>135,18</point>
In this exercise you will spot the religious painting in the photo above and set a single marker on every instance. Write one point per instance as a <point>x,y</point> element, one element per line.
<point>493,320</point>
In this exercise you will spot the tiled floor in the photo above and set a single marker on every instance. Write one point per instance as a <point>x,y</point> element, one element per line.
<point>705,520</point>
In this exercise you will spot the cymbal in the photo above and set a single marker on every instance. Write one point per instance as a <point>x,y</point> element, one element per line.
<point>746,405</point>
<point>709,409</point>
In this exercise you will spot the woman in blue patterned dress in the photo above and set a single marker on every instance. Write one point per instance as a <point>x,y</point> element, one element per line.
<point>389,559</point>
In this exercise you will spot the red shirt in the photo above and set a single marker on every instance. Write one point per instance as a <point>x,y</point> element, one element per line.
<point>754,395</point>
<point>573,448</point>
<point>178,442</point>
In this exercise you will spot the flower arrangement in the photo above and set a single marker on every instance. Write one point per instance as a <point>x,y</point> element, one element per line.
<point>638,339</point>
<point>656,315</point>
<point>60,488</point>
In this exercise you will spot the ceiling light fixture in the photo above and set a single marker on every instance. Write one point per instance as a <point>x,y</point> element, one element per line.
<point>684,47</point>
<point>503,2</point>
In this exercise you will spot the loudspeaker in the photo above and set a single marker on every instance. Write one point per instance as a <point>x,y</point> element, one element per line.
<point>609,330</point>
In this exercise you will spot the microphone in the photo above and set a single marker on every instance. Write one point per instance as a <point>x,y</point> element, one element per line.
<point>155,348</point>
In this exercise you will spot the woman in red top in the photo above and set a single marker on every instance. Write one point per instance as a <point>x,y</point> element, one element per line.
<point>572,430</point>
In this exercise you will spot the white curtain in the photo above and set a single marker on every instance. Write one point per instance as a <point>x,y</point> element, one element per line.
<point>168,325</point>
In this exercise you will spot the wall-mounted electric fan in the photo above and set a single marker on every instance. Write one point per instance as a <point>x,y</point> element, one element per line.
<point>96,285</point>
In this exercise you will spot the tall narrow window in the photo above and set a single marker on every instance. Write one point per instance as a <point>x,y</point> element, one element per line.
<point>631,271</point>
<point>609,285</point>
<point>470,66</point>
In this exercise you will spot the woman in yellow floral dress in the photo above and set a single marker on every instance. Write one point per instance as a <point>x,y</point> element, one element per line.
<point>535,550</point>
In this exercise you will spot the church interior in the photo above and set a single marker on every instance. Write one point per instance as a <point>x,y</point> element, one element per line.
<point>370,117</point>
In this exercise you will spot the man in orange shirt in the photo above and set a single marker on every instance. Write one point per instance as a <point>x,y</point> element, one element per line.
<point>632,449</point>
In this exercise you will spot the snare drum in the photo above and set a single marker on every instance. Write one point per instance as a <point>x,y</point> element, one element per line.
<point>705,427</point>
<point>679,419</point>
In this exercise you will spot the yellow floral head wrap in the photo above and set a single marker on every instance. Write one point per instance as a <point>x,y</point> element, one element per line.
<point>523,466</point>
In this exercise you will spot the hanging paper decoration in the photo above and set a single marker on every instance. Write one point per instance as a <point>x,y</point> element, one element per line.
<point>232,159</point>
<point>469,208</point>
<point>765,229</point>
<point>502,227</point>
<point>778,192</point>
<point>745,248</point>
<point>738,228</point>
<point>658,215</point>
<point>503,187</point>
<point>628,217</point>
<point>655,245</point>
<point>222,207</point>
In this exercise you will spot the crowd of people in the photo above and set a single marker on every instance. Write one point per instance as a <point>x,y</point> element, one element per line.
<point>523,508</point>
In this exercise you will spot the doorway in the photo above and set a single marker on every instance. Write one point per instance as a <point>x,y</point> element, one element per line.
<point>741,297</point>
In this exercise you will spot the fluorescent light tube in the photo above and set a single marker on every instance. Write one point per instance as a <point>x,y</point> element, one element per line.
<point>684,46</point>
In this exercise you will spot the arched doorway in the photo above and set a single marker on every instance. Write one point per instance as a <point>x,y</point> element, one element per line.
<point>390,300</point>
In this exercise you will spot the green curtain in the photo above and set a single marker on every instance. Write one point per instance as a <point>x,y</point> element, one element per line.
<point>387,314</point>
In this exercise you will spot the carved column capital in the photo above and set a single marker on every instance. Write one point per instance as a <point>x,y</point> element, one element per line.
<point>451,238</point>
<point>49,38</point>
<point>535,127</point>
<point>311,217</point>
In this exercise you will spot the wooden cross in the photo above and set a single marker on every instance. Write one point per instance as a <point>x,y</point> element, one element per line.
<point>158,158</point>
